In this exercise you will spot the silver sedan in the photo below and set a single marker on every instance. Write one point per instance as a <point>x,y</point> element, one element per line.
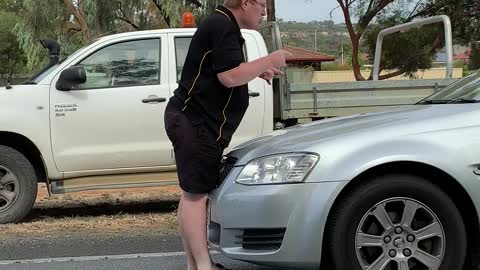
<point>394,190</point>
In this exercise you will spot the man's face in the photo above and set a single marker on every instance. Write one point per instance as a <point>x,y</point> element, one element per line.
<point>255,10</point>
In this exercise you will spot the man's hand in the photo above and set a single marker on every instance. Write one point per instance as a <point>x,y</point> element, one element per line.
<point>278,58</point>
<point>268,75</point>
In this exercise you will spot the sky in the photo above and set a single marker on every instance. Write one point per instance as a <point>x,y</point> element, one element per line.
<point>308,10</point>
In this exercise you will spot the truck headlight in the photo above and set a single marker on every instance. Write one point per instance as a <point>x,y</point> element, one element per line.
<point>278,169</point>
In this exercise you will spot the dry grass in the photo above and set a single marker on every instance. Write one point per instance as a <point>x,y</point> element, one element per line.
<point>102,224</point>
<point>103,212</point>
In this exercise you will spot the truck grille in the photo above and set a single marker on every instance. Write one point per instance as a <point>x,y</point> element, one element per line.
<point>261,239</point>
<point>227,165</point>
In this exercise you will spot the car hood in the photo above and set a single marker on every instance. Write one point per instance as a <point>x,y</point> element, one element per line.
<point>392,123</point>
<point>16,88</point>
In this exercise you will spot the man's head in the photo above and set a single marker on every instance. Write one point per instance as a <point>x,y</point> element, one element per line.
<point>249,13</point>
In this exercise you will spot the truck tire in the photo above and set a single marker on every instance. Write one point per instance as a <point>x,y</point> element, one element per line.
<point>18,185</point>
<point>396,222</point>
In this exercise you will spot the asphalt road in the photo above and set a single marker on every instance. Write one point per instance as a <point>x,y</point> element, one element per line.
<point>87,252</point>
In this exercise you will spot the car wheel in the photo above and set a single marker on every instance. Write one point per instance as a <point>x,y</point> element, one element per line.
<point>18,185</point>
<point>396,222</point>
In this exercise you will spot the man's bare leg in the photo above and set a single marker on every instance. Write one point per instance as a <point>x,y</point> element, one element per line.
<point>191,264</point>
<point>193,218</point>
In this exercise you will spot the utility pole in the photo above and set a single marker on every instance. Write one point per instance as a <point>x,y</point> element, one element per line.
<point>342,54</point>
<point>316,37</point>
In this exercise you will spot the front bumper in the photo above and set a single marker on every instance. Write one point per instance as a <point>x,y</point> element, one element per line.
<point>276,225</point>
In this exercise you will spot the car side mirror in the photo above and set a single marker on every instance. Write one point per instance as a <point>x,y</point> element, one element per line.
<point>71,77</point>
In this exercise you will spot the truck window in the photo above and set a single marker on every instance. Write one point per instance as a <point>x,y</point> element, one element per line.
<point>181,50</point>
<point>131,63</point>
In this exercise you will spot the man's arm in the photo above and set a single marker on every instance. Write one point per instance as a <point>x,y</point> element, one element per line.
<point>248,71</point>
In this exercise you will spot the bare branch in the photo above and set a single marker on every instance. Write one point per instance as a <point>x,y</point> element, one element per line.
<point>125,18</point>
<point>410,16</point>
<point>341,4</point>
<point>166,18</point>
<point>79,18</point>
<point>370,6</point>
<point>129,22</point>
<point>391,75</point>
<point>368,17</point>
<point>331,11</point>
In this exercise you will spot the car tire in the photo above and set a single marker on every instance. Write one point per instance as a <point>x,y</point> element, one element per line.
<point>360,234</point>
<point>18,185</point>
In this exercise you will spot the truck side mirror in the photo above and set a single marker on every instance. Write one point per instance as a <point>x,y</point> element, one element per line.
<point>71,77</point>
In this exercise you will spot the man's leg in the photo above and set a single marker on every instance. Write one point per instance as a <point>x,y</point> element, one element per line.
<point>193,218</point>
<point>191,264</point>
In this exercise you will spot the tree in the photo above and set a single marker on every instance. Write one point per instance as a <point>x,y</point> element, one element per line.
<point>206,8</point>
<point>387,12</point>
<point>474,63</point>
<point>407,52</point>
<point>10,5</point>
<point>39,19</point>
<point>10,53</point>
<point>76,22</point>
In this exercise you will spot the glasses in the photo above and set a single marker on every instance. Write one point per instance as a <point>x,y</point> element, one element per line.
<point>264,6</point>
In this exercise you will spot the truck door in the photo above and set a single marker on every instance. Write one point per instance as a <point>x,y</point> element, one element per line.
<point>253,122</point>
<point>115,119</point>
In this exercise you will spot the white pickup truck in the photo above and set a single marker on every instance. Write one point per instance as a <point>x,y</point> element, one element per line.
<point>95,119</point>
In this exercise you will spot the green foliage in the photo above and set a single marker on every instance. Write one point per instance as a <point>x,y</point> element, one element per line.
<point>458,64</point>
<point>10,53</point>
<point>40,19</point>
<point>11,5</point>
<point>52,19</point>
<point>208,6</point>
<point>408,51</point>
<point>474,63</point>
<point>415,49</point>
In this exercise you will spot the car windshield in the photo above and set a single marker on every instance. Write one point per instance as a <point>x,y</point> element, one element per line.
<point>42,75</point>
<point>465,90</point>
<point>45,73</point>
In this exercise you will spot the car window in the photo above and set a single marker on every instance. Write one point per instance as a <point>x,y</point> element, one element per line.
<point>181,50</point>
<point>131,63</point>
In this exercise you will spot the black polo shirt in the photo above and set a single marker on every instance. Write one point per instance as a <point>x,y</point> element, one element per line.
<point>216,47</point>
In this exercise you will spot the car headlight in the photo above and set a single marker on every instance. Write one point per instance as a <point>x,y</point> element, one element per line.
<point>278,169</point>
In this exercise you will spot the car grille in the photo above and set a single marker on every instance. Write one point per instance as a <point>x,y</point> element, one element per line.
<point>261,239</point>
<point>227,165</point>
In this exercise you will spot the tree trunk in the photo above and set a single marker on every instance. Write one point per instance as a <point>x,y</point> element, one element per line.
<point>82,22</point>
<point>271,11</point>
<point>355,62</point>
<point>165,17</point>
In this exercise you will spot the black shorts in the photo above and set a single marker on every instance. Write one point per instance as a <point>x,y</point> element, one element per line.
<point>197,154</point>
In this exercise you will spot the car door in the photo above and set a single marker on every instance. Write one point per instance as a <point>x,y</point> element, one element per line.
<point>115,119</point>
<point>253,121</point>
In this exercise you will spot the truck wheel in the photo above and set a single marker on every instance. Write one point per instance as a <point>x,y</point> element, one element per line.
<point>18,185</point>
<point>396,222</point>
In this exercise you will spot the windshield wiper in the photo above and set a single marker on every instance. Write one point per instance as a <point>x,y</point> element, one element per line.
<point>449,101</point>
<point>434,101</point>
<point>464,100</point>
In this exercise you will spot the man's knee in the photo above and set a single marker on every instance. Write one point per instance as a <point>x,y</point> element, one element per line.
<point>193,197</point>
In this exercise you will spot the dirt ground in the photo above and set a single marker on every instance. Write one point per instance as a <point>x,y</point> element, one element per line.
<point>103,211</point>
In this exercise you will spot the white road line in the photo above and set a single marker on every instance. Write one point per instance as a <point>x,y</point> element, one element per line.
<point>97,258</point>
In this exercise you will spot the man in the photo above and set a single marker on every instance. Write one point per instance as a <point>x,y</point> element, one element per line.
<point>207,108</point>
